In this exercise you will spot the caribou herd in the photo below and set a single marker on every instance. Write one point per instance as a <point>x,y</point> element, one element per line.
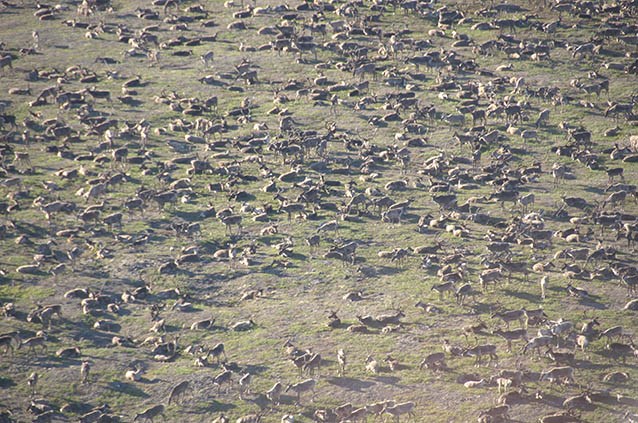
<point>437,199</point>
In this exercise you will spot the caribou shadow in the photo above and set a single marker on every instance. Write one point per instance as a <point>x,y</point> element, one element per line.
<point>349,383</point>
<point>128,389</point>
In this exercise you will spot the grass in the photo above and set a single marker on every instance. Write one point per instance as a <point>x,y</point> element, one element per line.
<point>303,288</point>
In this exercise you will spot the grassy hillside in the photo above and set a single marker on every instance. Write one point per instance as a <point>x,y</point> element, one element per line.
<point>67,172</point>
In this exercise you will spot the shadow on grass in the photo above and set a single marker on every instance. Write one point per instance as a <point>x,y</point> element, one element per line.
<point>482,308</point>
<point>388,270</point>
<point>172,328</point>
<point>298,256</point>
<point>189,216</point>
<point>255,369</point>
<point>532,298</point>
<point>153,381</point>
<point>274,271</point>
<point>127,388</point>
<point>29,229</point>
<point>82,331</point>
<point>260,401</point>
<point>349,383</point>
<point>213,407</point>
<point>593,304</point>
<point>615,360</point>
<point>6,382</point>
<point>92,273</point>
<point>593,190</point>
<point>64,362</point>
<point>388,380</point>
<point>18,315</point>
